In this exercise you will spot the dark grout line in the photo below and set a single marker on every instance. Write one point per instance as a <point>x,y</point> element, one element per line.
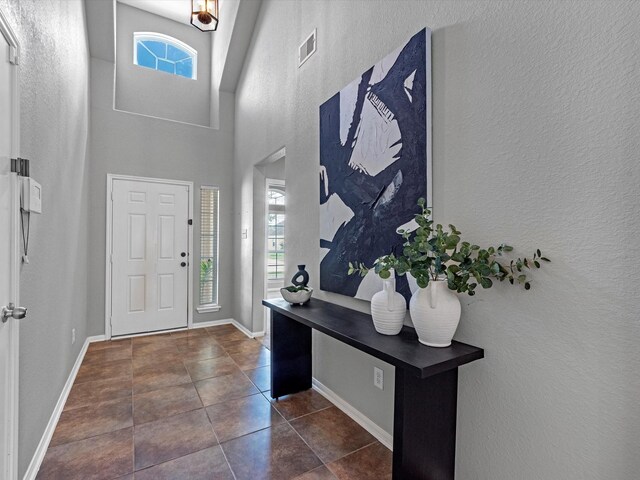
<point>305,442</point>
<point>351,453</point>
<point>89,437</point>
<point>311,413</point>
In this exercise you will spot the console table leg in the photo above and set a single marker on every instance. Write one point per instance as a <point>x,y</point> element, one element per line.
<point>290,356</point>
<point>424,431</point>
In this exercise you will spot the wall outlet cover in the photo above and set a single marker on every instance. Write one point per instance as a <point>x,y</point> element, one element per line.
<point>378,378</point>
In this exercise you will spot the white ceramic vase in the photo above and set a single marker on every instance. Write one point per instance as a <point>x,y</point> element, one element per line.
<point>388,308</point>
<point>435,312</point>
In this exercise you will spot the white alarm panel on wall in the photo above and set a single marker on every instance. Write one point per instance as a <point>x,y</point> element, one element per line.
<point>31,195</point>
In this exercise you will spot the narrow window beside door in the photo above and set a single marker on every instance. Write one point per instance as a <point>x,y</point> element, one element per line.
<point>275,235</point>
<point>208,247</point>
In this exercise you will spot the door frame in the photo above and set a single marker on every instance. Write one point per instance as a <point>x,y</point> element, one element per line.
<point>14,325</point>
<point>111,177</point>
<point>278,183</point>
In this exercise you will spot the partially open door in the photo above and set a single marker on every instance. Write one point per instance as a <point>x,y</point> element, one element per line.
<point>9,269</point>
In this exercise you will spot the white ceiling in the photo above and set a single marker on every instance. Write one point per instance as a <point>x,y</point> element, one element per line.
<point>178,10</point>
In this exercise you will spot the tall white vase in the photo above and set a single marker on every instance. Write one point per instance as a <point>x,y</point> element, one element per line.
<point>435,312</point>
<point>388,308</point>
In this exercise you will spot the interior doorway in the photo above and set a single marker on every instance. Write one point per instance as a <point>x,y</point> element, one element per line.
<point>148,253</point>
<point>269,268</point>
<point>275,246</point>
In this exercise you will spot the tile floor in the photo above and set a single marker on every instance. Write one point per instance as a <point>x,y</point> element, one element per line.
<point>195,405</point>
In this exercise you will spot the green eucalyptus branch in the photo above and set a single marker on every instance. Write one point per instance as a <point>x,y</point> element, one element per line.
<point>433,252</point>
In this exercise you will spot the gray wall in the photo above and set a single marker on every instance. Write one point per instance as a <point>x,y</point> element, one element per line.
<point>54,126</point>
<point>163,95</point>
<point>535,133</point>
<point>122,143</point>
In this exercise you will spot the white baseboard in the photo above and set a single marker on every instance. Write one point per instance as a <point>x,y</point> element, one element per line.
<point>213,323</point>
<point>233,322</point>
<point>227,321</point>
<point>365,422</point>
<point>38,456</point>
<point>243,329</point>
<point>210,323</point>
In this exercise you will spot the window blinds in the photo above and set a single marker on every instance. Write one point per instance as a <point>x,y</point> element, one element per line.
<point>209,245</point>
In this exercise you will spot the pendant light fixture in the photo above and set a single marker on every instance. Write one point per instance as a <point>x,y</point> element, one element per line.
<point>204,15</point>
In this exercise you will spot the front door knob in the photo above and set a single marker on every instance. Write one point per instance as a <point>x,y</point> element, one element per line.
<point>183,264</point>
<point>11,311</point>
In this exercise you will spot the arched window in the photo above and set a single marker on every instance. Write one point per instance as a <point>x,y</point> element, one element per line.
<point>275,196</point>
<point>165,54</point>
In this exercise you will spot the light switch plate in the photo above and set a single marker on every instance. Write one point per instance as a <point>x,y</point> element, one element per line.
<point>31,195</point>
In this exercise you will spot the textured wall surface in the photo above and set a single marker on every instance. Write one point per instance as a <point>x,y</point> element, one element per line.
<point>159,94</point>
<point>54,124</point>
<point>536,133</point>
<point>127,144</point>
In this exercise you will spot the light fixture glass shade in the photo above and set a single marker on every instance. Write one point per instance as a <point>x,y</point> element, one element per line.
<point>204,15</point>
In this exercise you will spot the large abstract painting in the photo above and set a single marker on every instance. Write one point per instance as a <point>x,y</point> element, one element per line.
<point>375,163</point>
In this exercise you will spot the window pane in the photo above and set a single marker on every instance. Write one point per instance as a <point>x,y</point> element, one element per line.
<point>185,68</point>
<point>209,246</point>
<point>159,49</point>
<point>165,66</point>
<point>275,237</point>
<point>175,54</point>
<point>276,197</point>
<point>145,57</point>
<point>164,53</point>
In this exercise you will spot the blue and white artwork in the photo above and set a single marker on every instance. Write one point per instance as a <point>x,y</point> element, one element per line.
<point>375,163</point>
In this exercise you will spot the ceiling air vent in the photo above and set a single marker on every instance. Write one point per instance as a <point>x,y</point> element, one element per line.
<point>307,48</point>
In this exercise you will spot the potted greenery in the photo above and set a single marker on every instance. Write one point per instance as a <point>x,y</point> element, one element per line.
<point>206,269</point>
<point>296,294</point>
<point>442,264</point>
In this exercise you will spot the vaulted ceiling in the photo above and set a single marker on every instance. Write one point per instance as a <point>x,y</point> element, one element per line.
<point>231,40</point>
<point>177,10</point>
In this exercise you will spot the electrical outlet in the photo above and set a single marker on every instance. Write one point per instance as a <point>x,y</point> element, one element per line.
<point>73,336</point>
<point>378,378</point>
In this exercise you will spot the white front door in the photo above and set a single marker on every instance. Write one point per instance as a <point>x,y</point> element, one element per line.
<point>150,242</point>
<point>8,270</point>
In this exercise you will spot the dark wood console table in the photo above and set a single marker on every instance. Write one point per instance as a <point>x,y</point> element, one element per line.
<point>426,387</point>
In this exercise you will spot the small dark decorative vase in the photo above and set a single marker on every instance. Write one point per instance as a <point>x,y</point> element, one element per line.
<point>301,278</point>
